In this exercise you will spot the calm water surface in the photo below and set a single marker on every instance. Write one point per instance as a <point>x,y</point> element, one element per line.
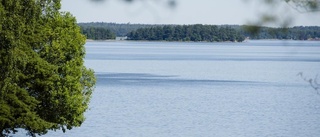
<point>172,89</point>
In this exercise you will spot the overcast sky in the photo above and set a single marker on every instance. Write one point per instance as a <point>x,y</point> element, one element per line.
<point>185,12</point>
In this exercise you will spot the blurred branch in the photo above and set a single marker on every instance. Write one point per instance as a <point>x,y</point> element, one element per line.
<point>304,6</point>
<point>313,82</point>
<point>170,3</point>
<point>271,16</point>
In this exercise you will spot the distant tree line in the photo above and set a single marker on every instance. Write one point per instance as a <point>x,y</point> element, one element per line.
<point>97,33</point>
<point>196,32</point>
<point>102,31</point>
<point>119,29</point>
<point>294,33</point>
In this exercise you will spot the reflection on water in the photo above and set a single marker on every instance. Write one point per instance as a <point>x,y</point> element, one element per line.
<point>138,79</point>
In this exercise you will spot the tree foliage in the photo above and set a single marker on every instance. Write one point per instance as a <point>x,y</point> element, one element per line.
<point>196,32</point>
<point>223,33</point>
<point>97,33</point>
<point>43,82</point>
<point>276,14</point>
<point>155,32</point>
<point>119,29</point>
<point>304,5</point>
<point>294,33</point>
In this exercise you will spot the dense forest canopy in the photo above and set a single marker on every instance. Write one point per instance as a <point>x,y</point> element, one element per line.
<point>197,32</point>
<point>97,33</point>
<point>120,30</point>
<point>294,33</point>
<point>103,31</point>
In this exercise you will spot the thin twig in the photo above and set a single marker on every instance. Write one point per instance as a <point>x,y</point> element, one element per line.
<point>313,82</point>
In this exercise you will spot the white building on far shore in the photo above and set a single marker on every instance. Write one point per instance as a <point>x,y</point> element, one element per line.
<point>121,38</point>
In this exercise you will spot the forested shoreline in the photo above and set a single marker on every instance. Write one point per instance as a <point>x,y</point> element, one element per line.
<point>197,32</point>
<point>208,33</point>
<point>97,33</point>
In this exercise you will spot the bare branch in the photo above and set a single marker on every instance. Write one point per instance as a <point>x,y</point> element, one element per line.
<point>313,82</point>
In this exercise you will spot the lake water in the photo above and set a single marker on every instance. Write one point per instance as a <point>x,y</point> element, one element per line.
<point>173,89</point>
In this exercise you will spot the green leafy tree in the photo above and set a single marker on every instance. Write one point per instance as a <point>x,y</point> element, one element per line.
<point>43,82</point>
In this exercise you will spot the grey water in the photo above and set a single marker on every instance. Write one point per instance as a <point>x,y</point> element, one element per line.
<point>194,89</point>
